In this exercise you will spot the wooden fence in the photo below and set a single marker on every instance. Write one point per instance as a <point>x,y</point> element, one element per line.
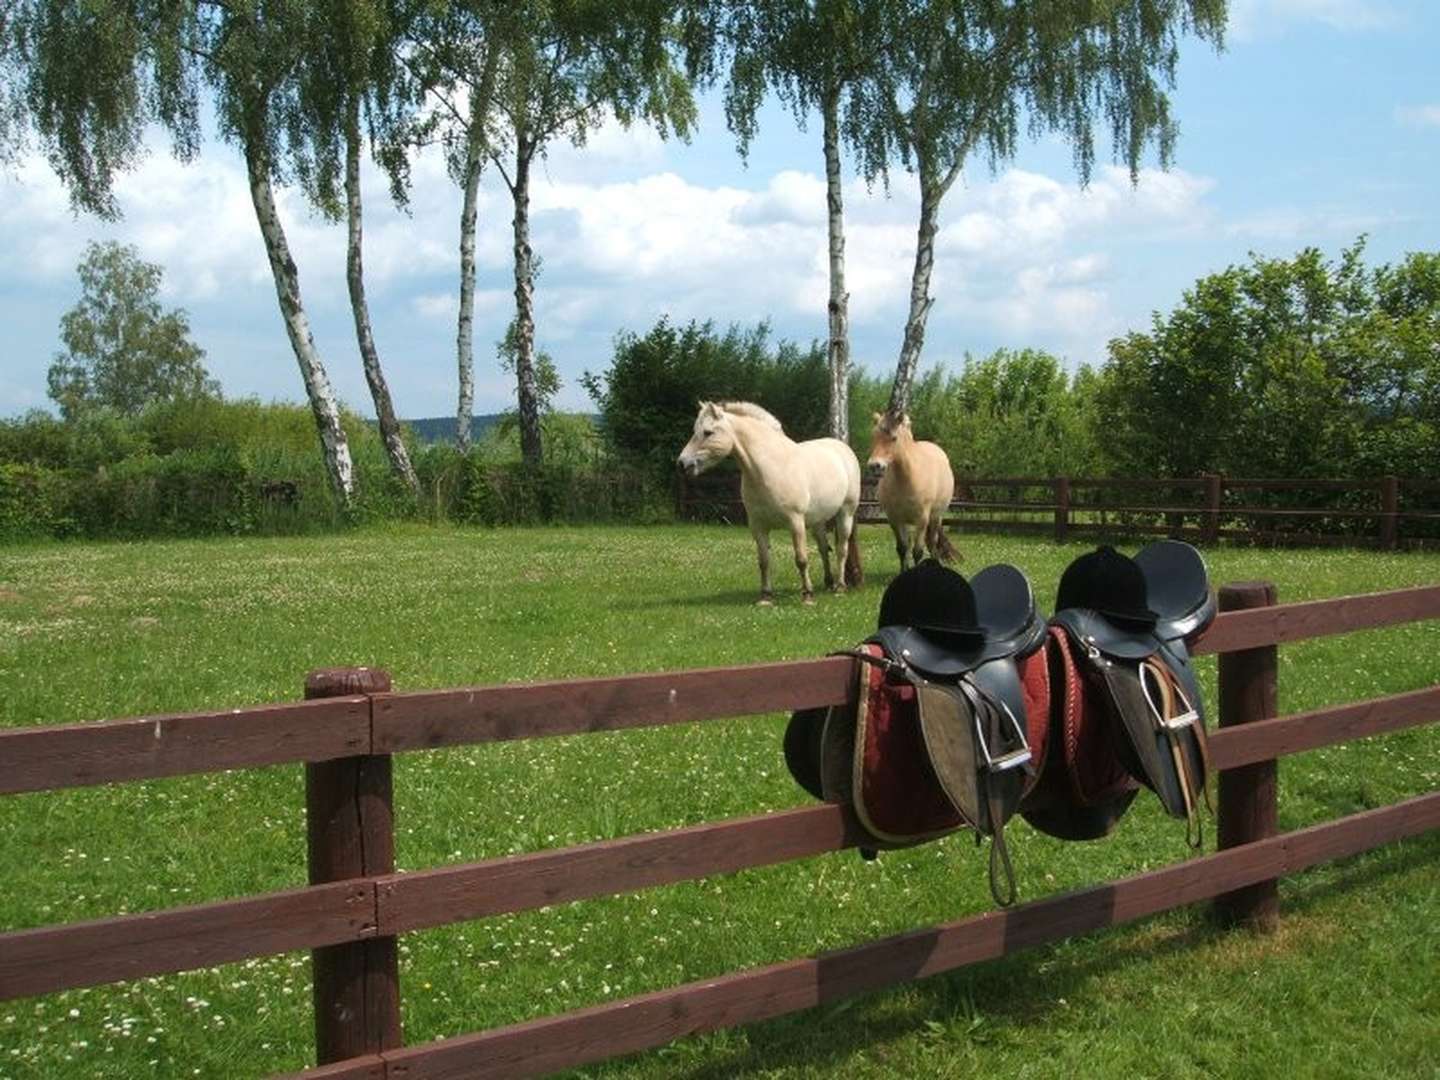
<point>356,906</point>
<point>1387,512</point>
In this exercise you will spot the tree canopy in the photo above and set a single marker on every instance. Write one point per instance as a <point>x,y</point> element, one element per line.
<point>123,351</point>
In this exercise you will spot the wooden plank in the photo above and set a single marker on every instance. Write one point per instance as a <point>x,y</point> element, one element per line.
<point>447,894</point>
<point>516,883</point>
<point>518,711</point>
<point>80,755</point>
<point>1303,484</point>
<point>552,1043</point>
<point>179,939</point>
<point>1266,739</point>
<point>1319,618</point>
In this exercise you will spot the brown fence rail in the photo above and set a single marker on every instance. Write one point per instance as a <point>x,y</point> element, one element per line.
<point>357,906</point>
<point>1385,512</point>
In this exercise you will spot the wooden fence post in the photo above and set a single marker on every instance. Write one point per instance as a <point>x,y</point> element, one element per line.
<point>1389,509</point>
<point>1213,487</point>
<point>1062,508</point>
<point>350,819</point>
<point>1248,808</point>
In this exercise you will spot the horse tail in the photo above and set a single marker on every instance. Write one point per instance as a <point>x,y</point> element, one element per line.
<point>854,575</point>
<point>944,550</point>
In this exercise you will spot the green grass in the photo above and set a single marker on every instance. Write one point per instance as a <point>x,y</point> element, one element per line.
<point>90,631</point>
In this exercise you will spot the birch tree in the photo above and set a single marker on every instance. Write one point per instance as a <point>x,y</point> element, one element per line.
<point>351,86</point>
<point>455,56</point>
<point>963,76</point>
<point>101,73</point>
<point>567,67</point>
<point>816,55</point>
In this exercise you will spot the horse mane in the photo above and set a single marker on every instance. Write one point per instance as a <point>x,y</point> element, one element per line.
<point>755,412</point>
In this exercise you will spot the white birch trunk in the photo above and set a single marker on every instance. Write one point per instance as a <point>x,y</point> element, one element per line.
<point>528,398</point>
<point>839,306</point>
<point>323,405</point>
<point>355,278</point>
<point>465,324</point>
<point>932,190</point>
<point>475,150</point>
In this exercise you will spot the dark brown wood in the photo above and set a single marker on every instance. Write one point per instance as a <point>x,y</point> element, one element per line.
<point>349,808</point>
<point>552,1043</point>
<point>178,939</point>
<point>1319,618</point>
<point>448,894</point>
<point>1263,740</point>
<point>368,1067</point>
<point>429,898</point>
<point>518,711</point>
<point>1214,491</point>
<point>1298,484</point>
<point>80,755</point>
<point>1389,508</point>
<point>1249,809</point>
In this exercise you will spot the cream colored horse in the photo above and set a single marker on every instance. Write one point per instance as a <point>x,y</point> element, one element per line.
<point>784,485</point>
<point>915,489</point>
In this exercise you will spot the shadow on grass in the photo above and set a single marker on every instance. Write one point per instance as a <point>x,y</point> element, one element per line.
<point>1021,989</point>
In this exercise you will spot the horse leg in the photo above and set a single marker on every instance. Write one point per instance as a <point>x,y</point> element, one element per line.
<point>844,523</point>
<point>762,552</point>
<point>902,543</point>
<point>802,561</point>
<point>922,539</point>
<point>822,539</point>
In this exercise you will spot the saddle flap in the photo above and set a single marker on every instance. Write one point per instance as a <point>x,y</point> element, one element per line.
<point>1165,746</point>
<point>978,750</point>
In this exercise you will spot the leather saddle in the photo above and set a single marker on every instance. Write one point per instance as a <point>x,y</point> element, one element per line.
<point>1130,703</point>
<point>948,723</point>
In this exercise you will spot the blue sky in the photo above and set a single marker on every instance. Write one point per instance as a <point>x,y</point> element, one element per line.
<point>1319,121</point>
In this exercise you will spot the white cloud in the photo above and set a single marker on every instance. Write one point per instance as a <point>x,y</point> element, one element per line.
<point>1018,255</point>
<point>1297,224</point>
<point>1418,115</point>
<point>1253,19</point>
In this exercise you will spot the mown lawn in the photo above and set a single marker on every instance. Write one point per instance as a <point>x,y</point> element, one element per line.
<point>88,631</point>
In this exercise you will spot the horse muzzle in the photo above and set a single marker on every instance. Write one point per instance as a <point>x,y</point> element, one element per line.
<point>875,469</point>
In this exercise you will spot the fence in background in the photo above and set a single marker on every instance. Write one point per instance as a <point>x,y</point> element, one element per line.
<point>1388,512</point>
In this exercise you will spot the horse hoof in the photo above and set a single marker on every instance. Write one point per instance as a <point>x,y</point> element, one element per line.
<point>765,601</point>
<point>808,599</point>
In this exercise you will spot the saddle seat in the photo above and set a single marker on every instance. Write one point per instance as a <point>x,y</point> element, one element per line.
<point>940,733</point>
<point>1125,623</point>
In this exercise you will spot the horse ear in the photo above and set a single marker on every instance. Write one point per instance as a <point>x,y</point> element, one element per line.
<point>875,418</point>
<point>712,409</point>
<point>905,419</point>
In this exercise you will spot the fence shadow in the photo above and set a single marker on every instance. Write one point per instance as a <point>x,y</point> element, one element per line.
<point>1020,989</point>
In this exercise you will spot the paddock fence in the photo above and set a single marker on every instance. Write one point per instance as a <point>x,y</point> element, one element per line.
<point>356,906</point>
<point>1386,512</point>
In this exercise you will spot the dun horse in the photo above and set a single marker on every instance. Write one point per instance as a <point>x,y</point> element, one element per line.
<point>915,489</point>
<point>784,485</point>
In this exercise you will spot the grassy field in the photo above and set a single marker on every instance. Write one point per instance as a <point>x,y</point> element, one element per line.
<point>89,631</point>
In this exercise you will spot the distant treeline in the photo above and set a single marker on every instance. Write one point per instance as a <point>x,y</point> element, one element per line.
<point>1278,368</point>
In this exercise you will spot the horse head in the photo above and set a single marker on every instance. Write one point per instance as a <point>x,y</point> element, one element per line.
<point>891,433</point>
<point>711,441</point>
